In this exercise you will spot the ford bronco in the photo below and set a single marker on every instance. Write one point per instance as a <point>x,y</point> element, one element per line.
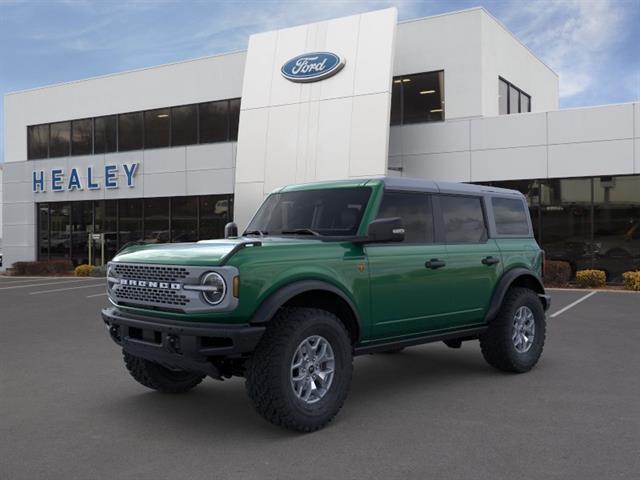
<point>324,272</point>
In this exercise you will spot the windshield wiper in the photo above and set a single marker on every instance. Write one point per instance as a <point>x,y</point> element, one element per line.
<point>302,231</point>
<point>255,232</point>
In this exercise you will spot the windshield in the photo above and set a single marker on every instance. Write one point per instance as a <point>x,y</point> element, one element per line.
<point>326,212</point>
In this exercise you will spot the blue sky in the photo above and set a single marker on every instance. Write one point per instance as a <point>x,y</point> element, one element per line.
<point>594,45</point>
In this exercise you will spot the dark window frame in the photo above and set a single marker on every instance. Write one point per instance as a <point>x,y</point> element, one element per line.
<point>483,209</point>
<point>520,94</point>
<point>399,79</point>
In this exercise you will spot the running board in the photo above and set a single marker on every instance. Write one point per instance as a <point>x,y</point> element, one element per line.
<point>464,334</point>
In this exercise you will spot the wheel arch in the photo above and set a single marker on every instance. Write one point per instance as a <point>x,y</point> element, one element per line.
<point>516,277</point>
<point>313,294</point>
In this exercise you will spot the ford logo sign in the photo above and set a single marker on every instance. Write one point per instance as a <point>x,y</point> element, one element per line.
<point>312,67</point>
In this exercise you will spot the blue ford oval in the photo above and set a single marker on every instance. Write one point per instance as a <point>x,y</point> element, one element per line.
<point>311,67</point>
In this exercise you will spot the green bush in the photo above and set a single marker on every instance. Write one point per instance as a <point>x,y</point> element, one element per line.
<point>631,280</point>
<point>98,272</point>
<point>591,278</point>
<point>42,267</point>
<point>556,273</point>
<point>83,270</point>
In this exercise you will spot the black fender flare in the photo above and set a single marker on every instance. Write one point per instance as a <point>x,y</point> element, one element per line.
<point>277,299</point>
<point>506,281</point>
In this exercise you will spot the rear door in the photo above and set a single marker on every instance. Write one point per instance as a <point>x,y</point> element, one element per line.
<point>474,261</point>
<point>407,295</point>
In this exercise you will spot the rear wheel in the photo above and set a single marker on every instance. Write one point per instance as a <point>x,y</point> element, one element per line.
<point>514,339</point>
<point>155,376</point>
<point>300,372</point>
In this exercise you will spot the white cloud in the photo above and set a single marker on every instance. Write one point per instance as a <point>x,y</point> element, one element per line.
<point>573,37</point>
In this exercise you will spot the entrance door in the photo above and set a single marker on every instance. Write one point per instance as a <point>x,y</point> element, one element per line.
<point>408,280</point>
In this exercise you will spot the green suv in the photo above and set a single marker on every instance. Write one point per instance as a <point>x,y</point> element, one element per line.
<point>326,271</point>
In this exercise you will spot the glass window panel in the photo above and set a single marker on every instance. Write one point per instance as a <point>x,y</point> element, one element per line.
<point>130,220</point>
<point>106,222</point>
<point>525,102</point>
<point>156,220</point>
<point>60,239</point>
<point>566,220</point>
<point>105,134</point>
<point>43,231</point>
<point>38,141</point>
<point>184,125</point>
<point>503,97</point>
<point>463,219</point>
<point>184,219</point>
<point>510,216</point>
<point>130,131</point>
<point>156,128</point>
<point>60,139</point>
<point>81,227</point>
<point>415,211</point>
<point>82,137</point>
<point>514,100</point>
<point>214,121</point>
<point>234,118</point>
<point>422,97</point>
<point>616,225</point>
<point>396,101</point>
<point>215,213</point>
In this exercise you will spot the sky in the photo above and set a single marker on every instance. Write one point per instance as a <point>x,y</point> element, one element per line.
<point>593,45</point>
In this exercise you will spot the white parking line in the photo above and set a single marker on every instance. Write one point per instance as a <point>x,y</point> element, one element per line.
<point>97,295</point>
<point>61,282</point>
<point>64,289</point>
<point>571,305</point>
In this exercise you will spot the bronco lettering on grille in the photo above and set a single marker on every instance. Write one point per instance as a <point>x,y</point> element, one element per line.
<point>150,284</point>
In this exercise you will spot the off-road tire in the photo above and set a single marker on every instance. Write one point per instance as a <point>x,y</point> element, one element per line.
<point>268,381</point>
<point>496,344</point>
<point>156,377</point>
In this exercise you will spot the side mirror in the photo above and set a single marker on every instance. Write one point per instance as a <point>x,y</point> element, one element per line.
<point>384,230</point>
<point>230,230</point>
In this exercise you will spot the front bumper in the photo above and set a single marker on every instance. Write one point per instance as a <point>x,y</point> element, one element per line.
<point>185,345</point>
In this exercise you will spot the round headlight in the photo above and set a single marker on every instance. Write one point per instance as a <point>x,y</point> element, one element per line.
<point>215,288</point>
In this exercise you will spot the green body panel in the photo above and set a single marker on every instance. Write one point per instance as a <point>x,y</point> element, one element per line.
<point>395,295</point>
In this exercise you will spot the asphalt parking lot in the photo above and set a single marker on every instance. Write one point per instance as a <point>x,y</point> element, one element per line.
<point>69,410</point>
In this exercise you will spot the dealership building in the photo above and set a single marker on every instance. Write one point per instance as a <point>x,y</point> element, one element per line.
<point>174,152</point>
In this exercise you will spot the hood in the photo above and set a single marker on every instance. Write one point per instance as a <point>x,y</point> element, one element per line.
<point>203,253</point>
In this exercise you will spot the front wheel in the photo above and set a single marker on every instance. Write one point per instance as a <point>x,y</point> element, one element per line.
<point>514,339</point>
<point>300,372</point>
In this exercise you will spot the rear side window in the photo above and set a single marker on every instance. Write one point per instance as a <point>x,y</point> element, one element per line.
<point>511,216</point>
<point>414,209</point>
<point>463,219</point>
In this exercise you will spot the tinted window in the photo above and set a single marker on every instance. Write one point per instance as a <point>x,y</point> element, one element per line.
<point>334,211</point>
<point>214,121</point>
<point>184,125</point>
<point>415,211</point>
<point>234,118</point>
<point>514,100</point>
<point>105,134</point>
<point>510,215</point>
<point>130,131</point>
<point>396,102</point>
<point>215,212</point>
<point>417,98</point>
<point>463,219</point>
<point>38,142</point>
<point>60,139</point>
<point>184,219</point>
<point>130,221</point>
<point>156,220</point>
<point>156,128</point>
<point>503,97</point>
<point>81,137</point>
<point>525,103</point>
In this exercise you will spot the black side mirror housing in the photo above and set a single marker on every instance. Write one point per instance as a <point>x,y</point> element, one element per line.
<point>230,230</point>
<point>383,230</point>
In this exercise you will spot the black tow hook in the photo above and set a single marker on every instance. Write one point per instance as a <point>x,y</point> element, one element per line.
<point>173,343</point>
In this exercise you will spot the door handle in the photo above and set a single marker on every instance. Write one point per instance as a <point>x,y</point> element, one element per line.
<point>490,260</point>
<point>434,264</point>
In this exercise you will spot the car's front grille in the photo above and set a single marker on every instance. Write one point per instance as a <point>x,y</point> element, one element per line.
<point>156,273</point>
<point>160,297</point>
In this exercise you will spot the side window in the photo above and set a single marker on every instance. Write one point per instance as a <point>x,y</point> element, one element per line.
<point>463,219</point>
<point>511,216</point>
<point>415,211</point>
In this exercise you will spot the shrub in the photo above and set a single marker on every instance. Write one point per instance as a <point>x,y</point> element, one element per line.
<point>83,270</point>
<point>98,272</point>
<point>42,267</point>
<point>591,278</point>
<point>631,280</point>
<point>556,273</point>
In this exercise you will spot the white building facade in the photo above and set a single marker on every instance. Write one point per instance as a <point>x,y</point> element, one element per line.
<point>172,153</point>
